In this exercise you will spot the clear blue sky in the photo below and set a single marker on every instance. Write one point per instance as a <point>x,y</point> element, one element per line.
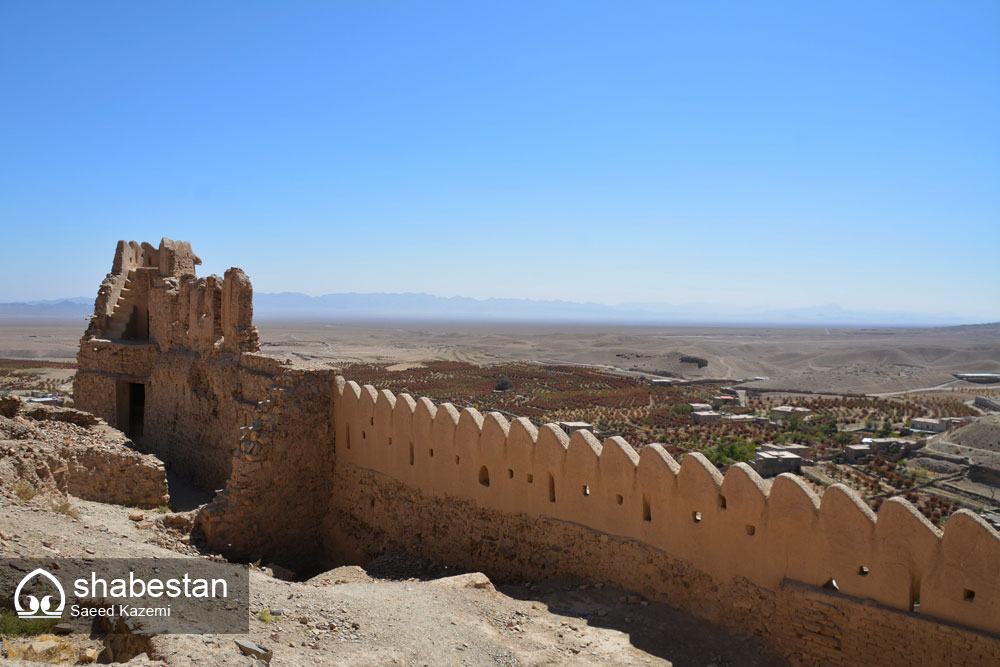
<point>764,153</point>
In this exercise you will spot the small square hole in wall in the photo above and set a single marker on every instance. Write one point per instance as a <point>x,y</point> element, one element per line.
<point>531,478</point>
<point>619,499</point>
<point>510,473</point>
<point>586,490</point>
<point>863,570</point>
<point>751,530</point>
<point>696,516</point>
<point>968,595</point>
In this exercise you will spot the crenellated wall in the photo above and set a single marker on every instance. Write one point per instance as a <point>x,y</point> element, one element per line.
<point>736,527</point>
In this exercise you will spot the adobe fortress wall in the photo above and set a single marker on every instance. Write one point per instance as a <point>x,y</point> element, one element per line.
<point>728,527</point>
<point>318,470</point>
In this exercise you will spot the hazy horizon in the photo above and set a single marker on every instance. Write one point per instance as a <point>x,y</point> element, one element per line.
<point>416,307</point>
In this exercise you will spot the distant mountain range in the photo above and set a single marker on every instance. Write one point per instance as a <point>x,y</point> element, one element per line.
<point>297,306</point>
<point>53,309</point>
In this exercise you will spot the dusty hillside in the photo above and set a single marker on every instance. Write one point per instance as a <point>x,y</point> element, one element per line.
<point>982,434</point>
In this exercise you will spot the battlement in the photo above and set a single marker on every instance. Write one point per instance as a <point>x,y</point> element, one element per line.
<point>153,295</point>
<point>732,526</point>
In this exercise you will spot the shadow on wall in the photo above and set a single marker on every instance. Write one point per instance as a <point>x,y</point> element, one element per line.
<point>730,527</point>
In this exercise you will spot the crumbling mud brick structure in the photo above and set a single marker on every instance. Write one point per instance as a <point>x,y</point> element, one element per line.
<point>316,470</point>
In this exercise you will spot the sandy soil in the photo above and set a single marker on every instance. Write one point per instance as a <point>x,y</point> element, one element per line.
<point>982,434</point>
<point>841,360</point>
<point>835,360</point>
<point>40,340</point>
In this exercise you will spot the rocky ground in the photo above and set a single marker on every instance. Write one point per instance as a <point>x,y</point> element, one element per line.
<point>350,616</point>
<point>397,611</point>
<point>51,452</point>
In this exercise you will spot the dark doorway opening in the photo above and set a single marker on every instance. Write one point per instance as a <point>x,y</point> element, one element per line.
<point>131,408</point>
<point>136,408</point>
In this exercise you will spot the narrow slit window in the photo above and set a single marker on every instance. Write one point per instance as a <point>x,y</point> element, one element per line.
<point>647,513</point>
<point>552,488</point>
<point>619,499</point>
<point>411,453</point>
<point>696,516</point>
<point>510,473</point>
<point>484,476</point>
<point>586,490</point>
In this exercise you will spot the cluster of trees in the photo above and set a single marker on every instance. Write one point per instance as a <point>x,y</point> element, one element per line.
<point>820,430</point>
<point>731,451</point>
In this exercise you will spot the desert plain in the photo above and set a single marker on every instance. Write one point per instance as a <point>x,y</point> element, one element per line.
<point>821,359</point>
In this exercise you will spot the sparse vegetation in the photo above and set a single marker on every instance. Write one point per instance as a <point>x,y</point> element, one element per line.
<point>11,625</point>
<point>64,507</point>
<point>23,375</point>
<point>24,491</point>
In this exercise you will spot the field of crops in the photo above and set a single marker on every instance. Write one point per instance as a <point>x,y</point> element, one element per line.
<point>848,410</point>
<point>24,374</point>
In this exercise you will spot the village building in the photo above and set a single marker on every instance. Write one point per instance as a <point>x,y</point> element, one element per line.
<point>784,413</point>
<point>706,417</point>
